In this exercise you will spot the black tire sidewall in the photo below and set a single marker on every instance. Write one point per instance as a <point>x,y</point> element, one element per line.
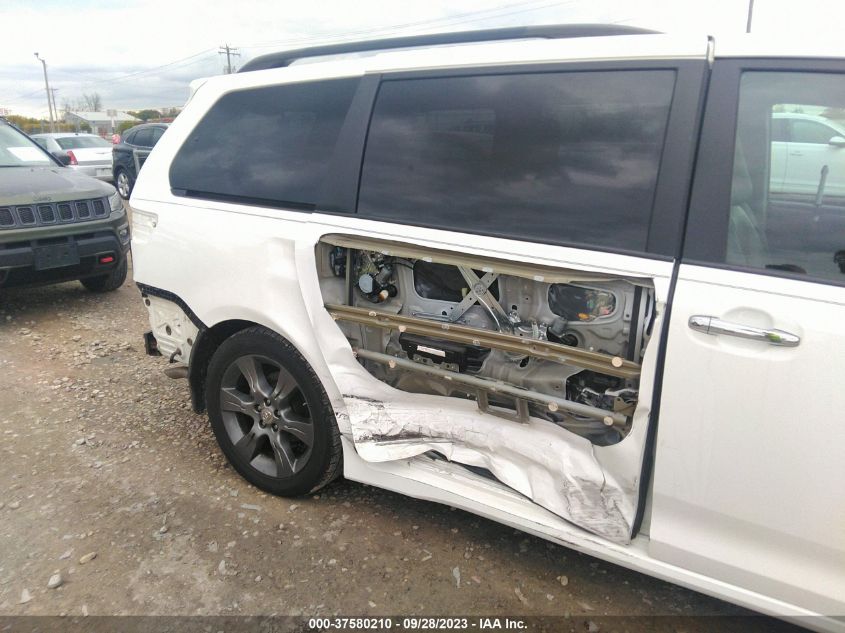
<point>272,346</point>
<point>110,281</point>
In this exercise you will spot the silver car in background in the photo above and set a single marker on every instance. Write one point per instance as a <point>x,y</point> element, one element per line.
<point>85,153</point>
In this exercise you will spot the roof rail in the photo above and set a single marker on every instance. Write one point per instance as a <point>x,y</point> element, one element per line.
<point>556,31</point>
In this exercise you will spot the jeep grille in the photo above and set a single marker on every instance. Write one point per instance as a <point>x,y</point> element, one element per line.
<point>26,215</point>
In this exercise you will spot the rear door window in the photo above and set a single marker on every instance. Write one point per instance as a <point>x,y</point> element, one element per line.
<point>569,157</point>
<point>269,145</point>
<point>143,138</point>
<point>786,210</point>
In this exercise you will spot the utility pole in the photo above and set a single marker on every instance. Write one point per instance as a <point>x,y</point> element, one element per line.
<point>750,12</point>
<point>55,109</point>
<point>230,52</point>
<point>47,88</point>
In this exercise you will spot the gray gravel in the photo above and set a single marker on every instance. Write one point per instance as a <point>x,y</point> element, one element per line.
<point>107,476</point>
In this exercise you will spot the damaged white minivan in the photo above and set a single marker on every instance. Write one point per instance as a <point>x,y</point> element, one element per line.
<point>554,276</point>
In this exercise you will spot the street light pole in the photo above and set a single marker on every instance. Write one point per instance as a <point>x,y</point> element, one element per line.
<point>47,88</point>
<point>55,109</point>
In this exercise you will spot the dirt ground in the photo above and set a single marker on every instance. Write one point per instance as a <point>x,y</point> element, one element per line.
<point>101,456</point>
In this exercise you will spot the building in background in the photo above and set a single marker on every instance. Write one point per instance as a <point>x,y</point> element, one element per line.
<point>102,123</point>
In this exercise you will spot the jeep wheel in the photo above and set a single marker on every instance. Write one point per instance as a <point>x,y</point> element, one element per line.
<point>124,184</point>
<point>271,415</point>
<point>108,282</point>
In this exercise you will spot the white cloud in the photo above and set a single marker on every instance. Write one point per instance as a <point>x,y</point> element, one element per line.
<point>97,45</point>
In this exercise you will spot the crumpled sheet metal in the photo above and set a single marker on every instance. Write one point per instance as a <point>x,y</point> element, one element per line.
<point>554,468</point>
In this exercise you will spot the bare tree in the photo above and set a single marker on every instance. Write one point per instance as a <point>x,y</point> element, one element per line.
<point>92,102</point>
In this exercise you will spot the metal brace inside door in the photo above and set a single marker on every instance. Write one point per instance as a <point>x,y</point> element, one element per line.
<point>478,292</point>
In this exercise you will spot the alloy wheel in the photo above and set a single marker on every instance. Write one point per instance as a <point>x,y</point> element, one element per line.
<point>123,184</point>
<point>265,416</point>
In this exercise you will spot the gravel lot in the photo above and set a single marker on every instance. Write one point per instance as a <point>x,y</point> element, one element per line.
<point>112,489</point>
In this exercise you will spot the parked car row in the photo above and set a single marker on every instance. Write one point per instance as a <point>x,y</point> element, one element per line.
<point>59,220</point>
<point>92,155</point>
<point>58,224</point>
<point>86,153</point>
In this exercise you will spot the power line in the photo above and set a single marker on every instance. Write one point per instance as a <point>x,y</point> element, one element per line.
<point>342,36</point>
<point>445,21</point>
<point>181,63</point>
<point>145,71</point>
<point>491,13</point>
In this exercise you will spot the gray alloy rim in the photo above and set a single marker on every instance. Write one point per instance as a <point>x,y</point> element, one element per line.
<point>123,184</point>
<point>266,417</point>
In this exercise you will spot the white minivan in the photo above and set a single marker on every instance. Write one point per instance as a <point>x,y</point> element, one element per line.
<point>539,274</point>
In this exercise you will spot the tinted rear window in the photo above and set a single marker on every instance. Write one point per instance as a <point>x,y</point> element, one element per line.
<point>268,145</point>
<point>553,157</point>
<point>82,142</point>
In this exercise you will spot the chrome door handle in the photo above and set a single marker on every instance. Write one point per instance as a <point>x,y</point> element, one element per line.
<point>714,325</point>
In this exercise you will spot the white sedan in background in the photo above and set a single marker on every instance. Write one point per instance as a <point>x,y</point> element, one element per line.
<point>86,153</point>
<point>802,146</point>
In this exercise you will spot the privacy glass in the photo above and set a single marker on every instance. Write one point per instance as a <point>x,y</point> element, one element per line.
<point>550,157</point>
<point>267,145</point>
<point>787,210</point>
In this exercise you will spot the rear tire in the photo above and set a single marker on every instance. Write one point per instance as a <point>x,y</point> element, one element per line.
<point>108,282</point>
<point>124,183</point>
<point>271,416</point>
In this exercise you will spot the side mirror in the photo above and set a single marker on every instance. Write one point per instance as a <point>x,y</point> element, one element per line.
<point>837,141</point>
<point>64,159</point>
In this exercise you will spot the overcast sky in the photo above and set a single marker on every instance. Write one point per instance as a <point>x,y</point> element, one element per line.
<point>143,53</point>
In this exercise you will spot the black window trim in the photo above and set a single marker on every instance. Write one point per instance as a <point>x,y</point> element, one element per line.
<point>675,165</point>
<point>705,242</point>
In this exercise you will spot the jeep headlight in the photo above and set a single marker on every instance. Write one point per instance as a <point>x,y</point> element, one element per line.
<point>115,202</point>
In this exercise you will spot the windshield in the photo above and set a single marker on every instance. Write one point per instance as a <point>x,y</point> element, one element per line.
<point>81,142</point>
<point>16,150</point>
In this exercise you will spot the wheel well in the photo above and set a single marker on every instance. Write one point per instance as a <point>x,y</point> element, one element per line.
<point>204,347</point>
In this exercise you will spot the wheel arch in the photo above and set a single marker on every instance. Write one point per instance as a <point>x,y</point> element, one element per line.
<point>208,340</point>
<point>206,343</point>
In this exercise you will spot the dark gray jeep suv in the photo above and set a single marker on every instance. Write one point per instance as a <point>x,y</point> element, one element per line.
<point>56,224</point>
